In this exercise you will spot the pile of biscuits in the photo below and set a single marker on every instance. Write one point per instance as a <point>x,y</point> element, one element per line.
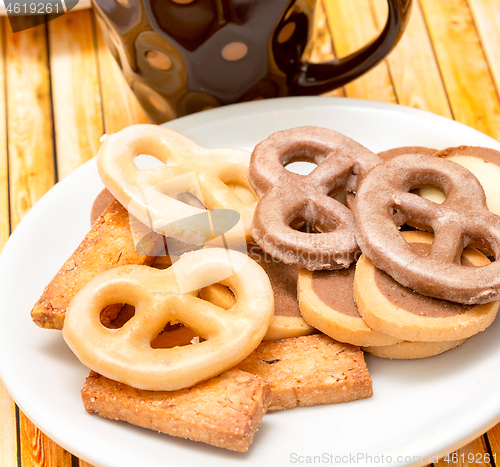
<point>219,286</point>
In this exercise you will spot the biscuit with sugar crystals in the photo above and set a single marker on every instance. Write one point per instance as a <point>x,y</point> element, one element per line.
<point>108,244</point>
<point>224,411</point>
<point>310,370</point>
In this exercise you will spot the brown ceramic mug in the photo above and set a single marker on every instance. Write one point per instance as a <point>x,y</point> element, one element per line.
<point>183,56</point>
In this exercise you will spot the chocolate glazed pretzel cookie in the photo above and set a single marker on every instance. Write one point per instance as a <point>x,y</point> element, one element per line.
<point>384,203</point>
<point>288,198</point>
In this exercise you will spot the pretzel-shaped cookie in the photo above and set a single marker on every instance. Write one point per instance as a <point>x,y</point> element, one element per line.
<point>484,163</point>
<point>384,203</point>
<point>126,355</point>
<point>286,197</point>
<point>390,308</point>
<point>145,193</point>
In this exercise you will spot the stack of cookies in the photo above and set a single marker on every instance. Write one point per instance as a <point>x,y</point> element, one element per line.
<point>219,286</point>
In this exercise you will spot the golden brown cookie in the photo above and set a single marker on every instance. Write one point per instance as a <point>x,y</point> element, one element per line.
<point>224,411</point>
<point>102,201</point>
<point>327,303</point>
<point>310,370</point>
<point>108,244</point>
<point>388,307</point>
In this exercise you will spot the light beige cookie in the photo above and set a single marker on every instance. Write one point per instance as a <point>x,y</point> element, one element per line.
<point>413,350</point>
<point>327,303</point>
<point>388,307</point>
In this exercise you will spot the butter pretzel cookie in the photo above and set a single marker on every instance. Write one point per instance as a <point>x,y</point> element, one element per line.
<point>384,203</point>
<point>287,198</point>
<point>151,195</point>
<point>484,163</point>
<point>126,355</point>
<point>393,309</point>
<point>327,303</point>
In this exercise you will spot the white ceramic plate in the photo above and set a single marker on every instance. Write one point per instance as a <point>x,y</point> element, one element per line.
<point>419,408</point>
<point>41,6</point>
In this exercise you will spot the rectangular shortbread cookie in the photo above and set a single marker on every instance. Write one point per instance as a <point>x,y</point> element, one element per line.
<point>310,370</point>
<point>224,411</point>
<point>108,244</point>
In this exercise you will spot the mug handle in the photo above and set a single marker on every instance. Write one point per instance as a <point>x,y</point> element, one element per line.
<point>317,78</point>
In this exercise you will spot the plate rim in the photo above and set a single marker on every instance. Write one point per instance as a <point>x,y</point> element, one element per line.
<point>292,102</point>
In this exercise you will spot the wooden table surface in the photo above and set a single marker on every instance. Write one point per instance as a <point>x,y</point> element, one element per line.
<point>61,90</point>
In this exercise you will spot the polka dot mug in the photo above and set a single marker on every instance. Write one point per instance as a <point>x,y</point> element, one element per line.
<point>183,56</point>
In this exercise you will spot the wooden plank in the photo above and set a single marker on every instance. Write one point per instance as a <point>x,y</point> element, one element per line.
<point>494,441</point>
<point>31,173</point>
<point>120,106</point>
<point>8,441</point>
<point>486,14</point>
<point>471,92</point>
<point>29,129</point>
<point>4,177</point>
<point>84,464</point>
<point>473,454</point>
<point>38,450</point>
<point>413,54</point>
<point>353,25</point>
<point>8,438</point>
<point>322,45</point>
<point>75,90</point>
